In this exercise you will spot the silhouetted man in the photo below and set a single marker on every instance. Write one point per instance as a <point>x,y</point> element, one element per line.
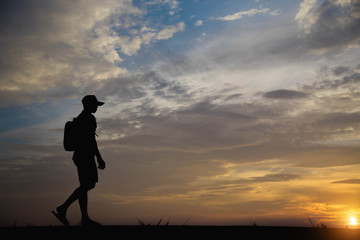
<point>84,159</point>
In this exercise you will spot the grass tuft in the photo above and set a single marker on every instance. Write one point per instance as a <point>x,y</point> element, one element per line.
<point>158,223</point>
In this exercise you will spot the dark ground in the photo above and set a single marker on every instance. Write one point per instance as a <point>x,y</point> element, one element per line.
<point>177,232</point>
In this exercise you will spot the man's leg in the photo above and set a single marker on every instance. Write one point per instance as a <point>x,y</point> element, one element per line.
<point>79,194</point>
<point>83,201</point>
<point>62,209</point>
<point>73,197</point>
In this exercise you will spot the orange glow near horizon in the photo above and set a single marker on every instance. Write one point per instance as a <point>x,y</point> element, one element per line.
<point>353,221</point>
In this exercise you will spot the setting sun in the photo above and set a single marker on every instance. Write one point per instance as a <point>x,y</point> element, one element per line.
<point>353,221</point>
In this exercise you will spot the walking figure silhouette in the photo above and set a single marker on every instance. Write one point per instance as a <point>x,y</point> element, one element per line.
<point>84,158</point>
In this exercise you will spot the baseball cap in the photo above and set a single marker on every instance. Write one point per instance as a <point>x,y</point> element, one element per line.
<point>91,100</point>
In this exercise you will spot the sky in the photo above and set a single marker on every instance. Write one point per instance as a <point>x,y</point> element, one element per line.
<point>217,112</point>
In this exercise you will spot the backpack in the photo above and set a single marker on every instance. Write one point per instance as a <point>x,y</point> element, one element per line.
<point>71,135</point>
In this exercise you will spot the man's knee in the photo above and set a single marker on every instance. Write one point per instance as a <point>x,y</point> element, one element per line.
<point>91,186</point>
<point>87,186</point>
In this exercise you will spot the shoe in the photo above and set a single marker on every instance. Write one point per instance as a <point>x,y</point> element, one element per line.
<point>61,217</point>
<point>90,223</point>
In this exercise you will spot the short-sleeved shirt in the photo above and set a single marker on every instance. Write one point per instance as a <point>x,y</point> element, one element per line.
<point>84,156</point>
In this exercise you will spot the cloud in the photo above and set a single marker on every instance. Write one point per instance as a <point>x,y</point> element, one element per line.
<point>340,70</point>
<point>64,49</point>
<point>168,31</point>
<point>199,23</point>
<point>285,94</point>
<point>233,97</point>
<point>275,12</point>
<point>189,133</point>
<point>336,77</point>
<point>349,181</point>
<point>278,177</point>
<point>329,25</point>
<point>273,47</point>
<point>270,177</point>
<point>339,118</point>
<point>250,133</point>
<point>60,45</point>
<point>172,3</point>
<point>304,17</point>
<point>248,13</point>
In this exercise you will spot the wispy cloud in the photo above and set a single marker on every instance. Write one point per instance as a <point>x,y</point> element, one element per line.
<point>349,181</point>
<point>249,13</point>
<point>172,3</point>
<point>168,31</point>
<point>285,94</point>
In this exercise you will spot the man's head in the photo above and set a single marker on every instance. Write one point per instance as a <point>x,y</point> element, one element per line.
<point>91,103</point>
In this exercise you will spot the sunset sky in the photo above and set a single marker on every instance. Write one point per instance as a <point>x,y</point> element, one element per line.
<point>217,111</point>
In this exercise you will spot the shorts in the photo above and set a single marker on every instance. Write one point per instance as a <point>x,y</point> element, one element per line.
<point>87,170</point>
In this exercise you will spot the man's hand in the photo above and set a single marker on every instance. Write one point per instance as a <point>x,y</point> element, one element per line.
<point>101,164</point>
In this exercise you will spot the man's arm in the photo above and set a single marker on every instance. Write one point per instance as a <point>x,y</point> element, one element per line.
<point>99,158</point>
